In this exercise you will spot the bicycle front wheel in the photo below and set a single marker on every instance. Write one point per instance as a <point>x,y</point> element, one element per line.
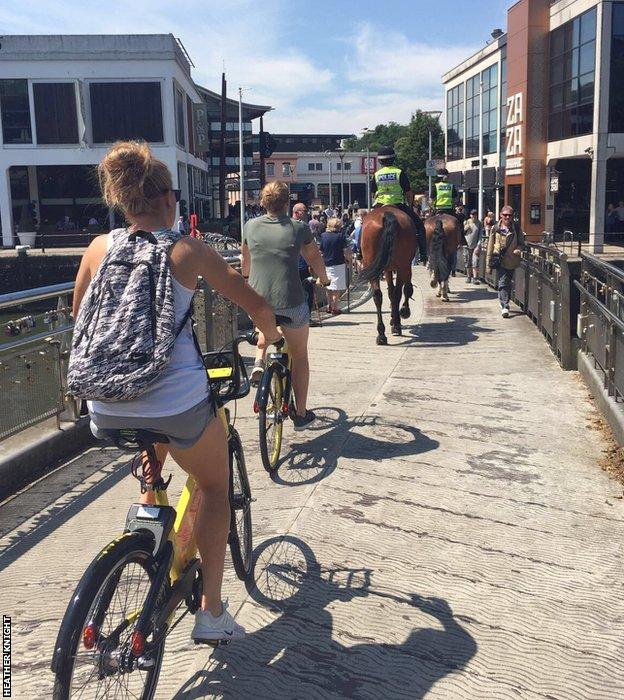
<point>240,538</point>
<point>93,656</point>
<point>271,422</point>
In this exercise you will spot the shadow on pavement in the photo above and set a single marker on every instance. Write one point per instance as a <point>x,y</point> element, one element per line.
<point>454,331</point>
<point>316,457</point>
<point>297,654</point>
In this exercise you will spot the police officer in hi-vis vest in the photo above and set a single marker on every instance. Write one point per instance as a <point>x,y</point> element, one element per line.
<point>391,186</point>
<point>444,194</point>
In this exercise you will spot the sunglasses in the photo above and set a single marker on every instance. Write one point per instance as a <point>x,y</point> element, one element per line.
<point>506,216</point>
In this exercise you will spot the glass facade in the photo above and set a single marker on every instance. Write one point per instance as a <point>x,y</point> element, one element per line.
<point>179,116</point>
<point>503,106</point>
<point>15,110</point>
<point>490,108</point>
<point>455,123</point>
<point>56,120</point>
<point>572,65</point>
<point>472,117</point>
<point>126,111</point>
<point>616,87</point>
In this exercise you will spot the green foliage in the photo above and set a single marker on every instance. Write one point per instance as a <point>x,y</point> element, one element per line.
<point>411,143</point>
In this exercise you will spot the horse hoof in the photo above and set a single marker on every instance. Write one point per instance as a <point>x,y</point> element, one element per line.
<point>445,298</point>
<point>405,312</point>
<point>382,340</point>
<point>438,294</point>
<point>433,284</point>
<point>397,331</point>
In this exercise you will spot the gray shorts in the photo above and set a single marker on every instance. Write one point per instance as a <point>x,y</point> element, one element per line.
<point>183,429</point>
<point>299,316</point>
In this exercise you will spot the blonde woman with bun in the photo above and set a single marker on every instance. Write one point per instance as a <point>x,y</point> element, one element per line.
<point>178,404</point>
<point>270,258</point>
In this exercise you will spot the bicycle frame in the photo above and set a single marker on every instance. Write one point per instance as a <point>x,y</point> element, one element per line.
<point>284,369</point>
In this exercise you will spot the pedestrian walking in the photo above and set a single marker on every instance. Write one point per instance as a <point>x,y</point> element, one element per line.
<point>504,253</point>
<point>473,233</point>
<point>335,251</point>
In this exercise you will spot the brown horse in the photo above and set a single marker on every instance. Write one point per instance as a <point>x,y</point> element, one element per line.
<point>388,241</point>
<point>443,236</point>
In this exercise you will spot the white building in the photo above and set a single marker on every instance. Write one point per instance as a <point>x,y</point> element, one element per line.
<point>65,99</point>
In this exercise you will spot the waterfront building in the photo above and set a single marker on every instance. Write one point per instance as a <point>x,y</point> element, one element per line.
<point>549,94</point>
<point>304,161</point>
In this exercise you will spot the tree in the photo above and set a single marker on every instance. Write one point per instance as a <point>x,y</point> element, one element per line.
<point>411,143</point>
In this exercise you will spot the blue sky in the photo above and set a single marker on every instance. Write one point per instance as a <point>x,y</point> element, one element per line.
<point>325,66</point>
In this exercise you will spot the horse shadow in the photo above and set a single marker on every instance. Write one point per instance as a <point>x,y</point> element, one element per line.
<point>314,459</point>
<point>453,331</point>
<point>297,654</point>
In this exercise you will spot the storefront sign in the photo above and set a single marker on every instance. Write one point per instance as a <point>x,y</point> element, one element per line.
<point>554,182</point>
<point>513,135</point>
<point>200,125</point>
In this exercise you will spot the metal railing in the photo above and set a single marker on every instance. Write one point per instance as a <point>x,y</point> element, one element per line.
<point>542,289</point>
<point>35,354</point>
<point>601,320</point>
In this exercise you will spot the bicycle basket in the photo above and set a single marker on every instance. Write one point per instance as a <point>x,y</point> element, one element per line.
<point>228,378</point>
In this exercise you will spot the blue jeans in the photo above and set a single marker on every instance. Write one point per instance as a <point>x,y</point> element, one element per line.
<point>505,279</point>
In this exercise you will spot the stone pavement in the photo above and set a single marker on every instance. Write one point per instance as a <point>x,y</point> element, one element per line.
<point>446,532</point>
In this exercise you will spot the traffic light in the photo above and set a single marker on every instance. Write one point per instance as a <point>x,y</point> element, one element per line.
<point>267,144</point>
<point>34,212</point>
<point>183,208</point>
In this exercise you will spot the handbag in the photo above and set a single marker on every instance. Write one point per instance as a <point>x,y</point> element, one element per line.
<point>496,259</point>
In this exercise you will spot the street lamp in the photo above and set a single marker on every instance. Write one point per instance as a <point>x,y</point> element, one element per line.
<point>366,130</point>
<point>328,155</point>
<point>341,155</point>
<point>350,168</point>
<point>435,115</point>
<point>241,166</point>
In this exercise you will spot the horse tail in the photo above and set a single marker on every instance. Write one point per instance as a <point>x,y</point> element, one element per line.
<point>388,237</point>
<point>437,259</point>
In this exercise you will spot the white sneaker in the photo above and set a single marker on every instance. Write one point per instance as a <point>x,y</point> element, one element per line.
<point>505,312</point>
<point>256,375</point>
<point>215,629</point>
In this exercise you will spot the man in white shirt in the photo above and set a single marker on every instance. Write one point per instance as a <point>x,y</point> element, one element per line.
<point>473,233</point>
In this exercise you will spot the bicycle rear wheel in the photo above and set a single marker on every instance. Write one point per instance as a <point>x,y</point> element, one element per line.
<point>271,421</point>
<point>240,537</point>
<point>92,657</point>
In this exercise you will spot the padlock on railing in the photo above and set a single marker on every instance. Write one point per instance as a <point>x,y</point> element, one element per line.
<point>12,329</point>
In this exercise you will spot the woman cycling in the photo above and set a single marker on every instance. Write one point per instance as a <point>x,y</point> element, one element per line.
<point>178,402</point>
<point>270,255</point>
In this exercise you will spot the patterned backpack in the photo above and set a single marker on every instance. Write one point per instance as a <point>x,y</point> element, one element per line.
<point>125,330</point>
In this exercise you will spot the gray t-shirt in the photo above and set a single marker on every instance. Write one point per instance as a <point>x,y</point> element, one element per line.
<point>274,247</point>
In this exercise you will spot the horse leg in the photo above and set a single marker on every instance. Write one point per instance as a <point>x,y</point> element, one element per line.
<point>394,309</point>
<point>395,301</point>
<point>445,290</point>
<point>408,291</point>
<point>439,286</point>
<point>381,329</point>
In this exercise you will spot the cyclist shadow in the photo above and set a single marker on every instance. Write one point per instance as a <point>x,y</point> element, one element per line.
<point>298,655</point>
<point>334,435</point>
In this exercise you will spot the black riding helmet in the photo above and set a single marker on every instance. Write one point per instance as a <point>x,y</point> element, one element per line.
<point>386,153</point>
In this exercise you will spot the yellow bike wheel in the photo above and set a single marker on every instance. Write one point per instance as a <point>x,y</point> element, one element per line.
<point>271,423</point>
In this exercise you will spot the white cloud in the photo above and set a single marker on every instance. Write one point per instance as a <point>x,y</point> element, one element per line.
<point>382,76</point>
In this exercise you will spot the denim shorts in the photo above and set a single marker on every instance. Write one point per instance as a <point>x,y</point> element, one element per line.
<point>183,429</point>
<point>298,316</point>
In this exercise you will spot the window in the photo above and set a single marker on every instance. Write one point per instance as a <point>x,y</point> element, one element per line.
<point>347,166</point>
<point>285,169</point>
<point>15,111</point>
<point>56,120</point>
<point>270,169</point>
<point>311,166</point>
<point>472,116</point>
<point>126,111</point>
<point>490,108</point>
<point>319,166</point>
<point>503,107</point>
<point>179,116</point>
<point>572,61</point>
<point>616,87</point>
<point>455,123</point>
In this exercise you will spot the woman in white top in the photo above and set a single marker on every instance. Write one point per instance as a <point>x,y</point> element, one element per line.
<point>178,403</point>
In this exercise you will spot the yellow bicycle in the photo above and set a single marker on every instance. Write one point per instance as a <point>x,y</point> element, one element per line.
<point>112,638</point>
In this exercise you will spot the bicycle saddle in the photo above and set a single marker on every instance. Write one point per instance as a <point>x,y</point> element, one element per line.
<point>126,438</point>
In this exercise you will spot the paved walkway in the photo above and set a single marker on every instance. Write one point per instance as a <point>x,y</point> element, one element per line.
<point>446,533</point>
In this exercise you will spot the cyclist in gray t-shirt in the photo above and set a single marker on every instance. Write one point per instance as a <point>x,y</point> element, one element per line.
<point>271,247</point>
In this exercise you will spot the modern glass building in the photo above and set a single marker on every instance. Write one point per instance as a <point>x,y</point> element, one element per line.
<point>549,93</point>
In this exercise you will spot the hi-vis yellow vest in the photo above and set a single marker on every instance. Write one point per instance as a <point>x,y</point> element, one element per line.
<point>389,189</point>
<point>444,195</point>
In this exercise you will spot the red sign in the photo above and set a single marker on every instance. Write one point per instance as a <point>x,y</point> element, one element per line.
<point>194,233</point>
<point>372,165</point>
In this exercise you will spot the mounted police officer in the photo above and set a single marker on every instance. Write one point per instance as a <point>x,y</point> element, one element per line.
<point>391,186</point>
<point>444,194</point>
